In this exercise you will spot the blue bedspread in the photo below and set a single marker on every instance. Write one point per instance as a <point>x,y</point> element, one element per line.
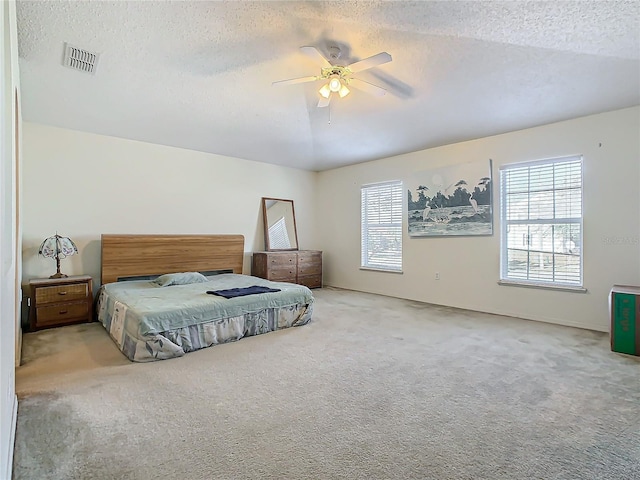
<point>157,309</point>
<point>149,322</point>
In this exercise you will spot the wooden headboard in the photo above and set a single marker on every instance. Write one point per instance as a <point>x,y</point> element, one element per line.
<point>133,255</point>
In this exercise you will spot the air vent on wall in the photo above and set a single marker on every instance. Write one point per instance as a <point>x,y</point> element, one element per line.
<point>80,59</point>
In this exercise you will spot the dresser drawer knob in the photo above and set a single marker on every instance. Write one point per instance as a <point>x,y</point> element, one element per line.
<point>62,293</point>
<point>62,312</point>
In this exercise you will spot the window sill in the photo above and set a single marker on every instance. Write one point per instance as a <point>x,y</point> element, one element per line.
<point>385,270</point>
<point>562,288</point>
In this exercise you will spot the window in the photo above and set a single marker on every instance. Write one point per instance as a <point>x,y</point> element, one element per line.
<point>541,216</point>
<point>382,226</point>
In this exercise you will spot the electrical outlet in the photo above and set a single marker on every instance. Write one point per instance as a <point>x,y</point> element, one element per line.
<point>437,275</point>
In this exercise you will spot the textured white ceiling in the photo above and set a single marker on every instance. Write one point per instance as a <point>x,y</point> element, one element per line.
<point>198,74</point>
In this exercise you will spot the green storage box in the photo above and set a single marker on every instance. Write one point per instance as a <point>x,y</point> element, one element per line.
<point>624,303</point>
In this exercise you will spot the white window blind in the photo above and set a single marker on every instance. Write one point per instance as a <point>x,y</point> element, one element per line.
<point>541,217</point>
<point>278,236</point>
<point>381,217</point>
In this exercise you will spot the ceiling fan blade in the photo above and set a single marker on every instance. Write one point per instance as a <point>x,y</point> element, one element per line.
<point>315,54</point>
<point>324,102</point>
<point>296,80</point>
<point>370,88</point>
<point>370,62</point>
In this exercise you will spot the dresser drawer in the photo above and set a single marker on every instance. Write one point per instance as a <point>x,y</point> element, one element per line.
<point>309,269</point>
<point>61,293</point>
<point>311,281</point>
<point>282,274</point>
<point>282,261</point>
<point>62,312</point>
<point>310,256</point>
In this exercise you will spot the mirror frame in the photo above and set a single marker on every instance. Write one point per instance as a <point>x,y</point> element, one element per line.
<point>267,245</point>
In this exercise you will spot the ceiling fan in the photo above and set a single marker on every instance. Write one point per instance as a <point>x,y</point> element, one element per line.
<point>339,77</point>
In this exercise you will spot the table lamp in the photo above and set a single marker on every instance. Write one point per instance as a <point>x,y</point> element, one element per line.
<point>57,247</point>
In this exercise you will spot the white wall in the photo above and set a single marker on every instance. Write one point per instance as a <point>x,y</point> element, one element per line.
<point>83,185</point>
<point>9,234</point>
<point>469,267</point>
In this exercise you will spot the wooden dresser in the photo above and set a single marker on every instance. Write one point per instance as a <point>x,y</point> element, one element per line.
<point>60,301</point>
<point>301,266</point>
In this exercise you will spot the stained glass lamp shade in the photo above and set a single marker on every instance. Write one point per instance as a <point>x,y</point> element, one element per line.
<point>58,247</point>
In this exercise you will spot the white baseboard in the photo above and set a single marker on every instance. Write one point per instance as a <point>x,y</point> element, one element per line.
<point>12,440</point>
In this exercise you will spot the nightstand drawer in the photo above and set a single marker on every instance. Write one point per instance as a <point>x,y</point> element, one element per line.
<point>61,293</point>
<point>54,314</point>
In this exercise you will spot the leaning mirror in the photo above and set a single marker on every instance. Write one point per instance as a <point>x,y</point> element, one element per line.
<point>279,224</point>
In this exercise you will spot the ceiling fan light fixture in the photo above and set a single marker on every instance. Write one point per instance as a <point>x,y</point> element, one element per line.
<point>338,77</point>
<point>325,91</point>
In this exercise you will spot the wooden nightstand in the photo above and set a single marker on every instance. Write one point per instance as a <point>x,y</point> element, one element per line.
<point>60,301</point>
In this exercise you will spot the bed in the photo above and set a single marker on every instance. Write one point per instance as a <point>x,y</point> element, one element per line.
<point>166,295</point>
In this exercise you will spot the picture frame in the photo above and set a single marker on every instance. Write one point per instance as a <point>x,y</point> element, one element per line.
<point>455,200</point>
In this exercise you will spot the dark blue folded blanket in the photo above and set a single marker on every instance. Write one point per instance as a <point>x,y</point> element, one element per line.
<point>241,292</point>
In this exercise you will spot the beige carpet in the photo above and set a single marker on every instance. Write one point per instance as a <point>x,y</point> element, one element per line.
<point>373,388</point>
